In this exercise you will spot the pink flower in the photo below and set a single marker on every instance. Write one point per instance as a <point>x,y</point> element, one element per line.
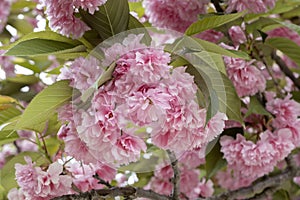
<point>128,148</point>
<point>176,15</point>
<point>211,36</point>
<point>286,111</point>
<point>83,72</point>
<point>252,6</point>
<point>37,184</point>
<point>4,13</point>
<point>82,175</point>
<point>90,5</point>
<point>206,188</point>
<point>61,18</point>
<point>6,61</point>
<point>245,76</point>
<point>15,194</point>
<point>237,35</point>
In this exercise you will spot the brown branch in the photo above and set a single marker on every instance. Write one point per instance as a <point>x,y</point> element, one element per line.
<point>129,192</point>
<point>176,177</point>
<point>257,187</point>
<point>284,68</point>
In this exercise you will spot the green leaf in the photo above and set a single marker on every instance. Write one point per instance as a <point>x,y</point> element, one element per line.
<point>8,136</point>
<point>214,160</point>
<point>256,107</point>
<point>136,27</point>
<point>44,105</point>
<point>289,25</point>
<point>39,47</point>
<point>189,44</point>
<point>24,79</point>
<point>7,173</point>
<point>286,46</point>
<point>8,114</point>
<point>281,195</point>
<point>111,18</point>
<point>296,96</point>
<point>211,22</point>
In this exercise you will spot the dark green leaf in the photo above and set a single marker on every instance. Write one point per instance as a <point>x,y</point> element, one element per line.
<point>211,22</point>
<point>8,136</point>
<point>214,160</point>
<point>256,107</point>
<point>111,19</point>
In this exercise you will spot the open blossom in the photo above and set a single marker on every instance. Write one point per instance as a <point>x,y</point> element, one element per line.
<point>176,15</point>
<point>15,194</point>
<point>145,91</point>
<point>251,160</point>
<point>246,78</point>
<point>252,6</point>
<point>83,72</point>
<point>61,15</point>
<point>42,185</point>
<point>4,12</point>
<point>237,35</point>
<point>82,175</point>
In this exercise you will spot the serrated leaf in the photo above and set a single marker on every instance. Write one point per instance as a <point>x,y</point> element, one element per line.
<point>7,173</point>
<point>44,105</point>
<point>111,18</point>
<point>211,22</point>
<point>40,47</point>
<point>286,46</point>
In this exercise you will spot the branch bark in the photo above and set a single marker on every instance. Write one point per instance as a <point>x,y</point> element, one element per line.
<point>257,187</point>
<point>176,177</point>
<point>284,68</point>
<point>130,192</point>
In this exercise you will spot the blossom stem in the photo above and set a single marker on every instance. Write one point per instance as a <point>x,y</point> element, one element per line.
<point>217,6</point>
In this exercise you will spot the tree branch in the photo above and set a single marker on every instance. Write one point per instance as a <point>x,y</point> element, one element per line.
<point>176,177</point>
<point>257,187</point>
<point>284,68</point>
<point>129,192</point>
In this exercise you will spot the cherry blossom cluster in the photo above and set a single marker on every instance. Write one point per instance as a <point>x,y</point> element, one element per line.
<point>145,93</point>
<point>36,183</point>
<point>251,6</point>
<point>61,15</point>
<point>4,12</point>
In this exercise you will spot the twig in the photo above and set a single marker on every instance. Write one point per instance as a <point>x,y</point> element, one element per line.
<point>101,181</point>
<point>176,177</point>
<point>265,194</point>
<point>217,6</point>
<point>284,68</point>
<point>130,192</point>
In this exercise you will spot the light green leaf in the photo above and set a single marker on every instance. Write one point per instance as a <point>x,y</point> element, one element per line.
<point>44,105</point>
<point>39,47</point>
<point>8,114</point>
<point>7,173</point>
<point>8,136</point>
<point>111,19</point>
<point>24,79</point>
<point>286,46</point>
<point>289,25</point>
<point>211,22</point>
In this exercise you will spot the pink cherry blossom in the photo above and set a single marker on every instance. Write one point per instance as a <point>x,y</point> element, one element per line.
<point>206,188</point>
<point>237,35</point>
<point>4,13</point>
<point>83,72</point>
<point>6,61</point>
<point>246,77</point>
<point>16,194</point>
<point>176,15</point>
<point>252,6</point>
<point>90,5</point>
<point>211,36</point>
<point>61,18</point>
<point>37,184</point>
